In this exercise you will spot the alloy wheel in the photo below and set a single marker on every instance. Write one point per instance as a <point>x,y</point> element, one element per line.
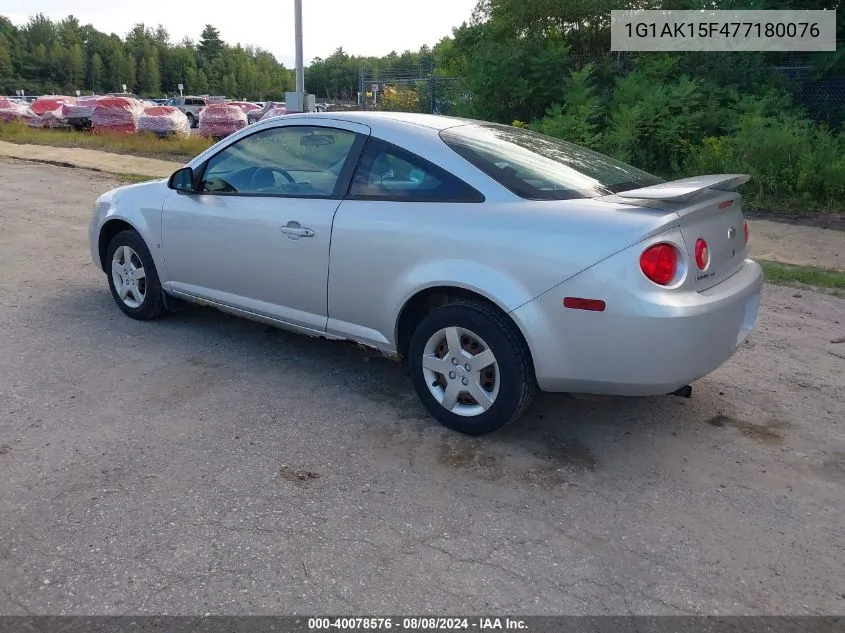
<point>129,277</point>
<point>461,371</point>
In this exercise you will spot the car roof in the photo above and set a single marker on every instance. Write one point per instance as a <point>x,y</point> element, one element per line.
<point>433,121</point>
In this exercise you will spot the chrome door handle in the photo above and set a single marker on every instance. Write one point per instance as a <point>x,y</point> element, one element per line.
<point>295,230</point>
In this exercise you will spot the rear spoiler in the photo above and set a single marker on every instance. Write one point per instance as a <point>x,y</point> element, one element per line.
<point>686,188</point>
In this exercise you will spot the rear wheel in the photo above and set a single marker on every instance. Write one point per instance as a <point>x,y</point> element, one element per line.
<point>133,279</point>
<point>470,367</point>
<point>192,121</point>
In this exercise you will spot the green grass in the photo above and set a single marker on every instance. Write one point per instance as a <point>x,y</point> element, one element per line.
<point>790,275</point>
<point>132,179</point>
<point>175,149</point>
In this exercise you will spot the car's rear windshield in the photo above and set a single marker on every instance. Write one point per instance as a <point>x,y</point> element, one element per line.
<point>539,167</point>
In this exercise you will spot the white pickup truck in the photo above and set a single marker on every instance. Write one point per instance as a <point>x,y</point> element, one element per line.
<point>191,106</point>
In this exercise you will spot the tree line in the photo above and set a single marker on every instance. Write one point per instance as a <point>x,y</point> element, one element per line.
<point>547,65</point>
<point>43,56</point>
<point>543,64</point>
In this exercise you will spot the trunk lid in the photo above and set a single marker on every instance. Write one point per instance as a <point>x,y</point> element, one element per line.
<point>708,209</point>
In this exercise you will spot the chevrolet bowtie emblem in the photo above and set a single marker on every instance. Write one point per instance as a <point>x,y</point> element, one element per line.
<point>731,232</point>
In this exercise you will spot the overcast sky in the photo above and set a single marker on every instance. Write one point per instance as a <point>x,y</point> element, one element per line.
<point>363,27</point>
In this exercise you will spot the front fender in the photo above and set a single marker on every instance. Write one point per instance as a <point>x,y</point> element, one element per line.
<point>139,207</point>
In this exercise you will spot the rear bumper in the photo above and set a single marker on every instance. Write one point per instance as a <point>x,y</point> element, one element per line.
<point>643,343</point>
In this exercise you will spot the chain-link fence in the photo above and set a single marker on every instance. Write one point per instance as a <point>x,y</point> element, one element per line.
<point>822,97</point>
<point>432,94</point>
<point>422,90</point>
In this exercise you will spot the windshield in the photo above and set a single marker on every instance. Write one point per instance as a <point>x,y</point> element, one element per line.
<point>540,167</point>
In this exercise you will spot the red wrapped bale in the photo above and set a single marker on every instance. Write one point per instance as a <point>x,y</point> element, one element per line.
<point>277,111</point>
<point>12,110</point>
<point>51,103</point>
<point>78,116</point>
<point>246,106</point>
<point>164,121</point>
<point>84,108</point>
<point>58,117</point>
<point>32,119</point>
<point>116,115</point>
<point>218,120</point>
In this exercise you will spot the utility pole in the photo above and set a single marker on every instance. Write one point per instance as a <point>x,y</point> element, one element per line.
<point>300,68</point>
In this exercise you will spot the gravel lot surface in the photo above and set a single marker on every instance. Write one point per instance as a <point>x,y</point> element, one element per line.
<point>204,464</point>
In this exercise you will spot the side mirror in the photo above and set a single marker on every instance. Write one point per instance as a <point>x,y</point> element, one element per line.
<point>182,180</point>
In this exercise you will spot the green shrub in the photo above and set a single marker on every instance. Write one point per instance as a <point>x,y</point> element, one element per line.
<point>673,125</point>
<point>793,162</point>
<point>581,115</point>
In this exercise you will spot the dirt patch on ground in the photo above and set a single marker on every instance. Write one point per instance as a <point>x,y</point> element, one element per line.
<point>797,244</point>
<point>827,220</point>
<point>762,432</point>
<point>298,476</point>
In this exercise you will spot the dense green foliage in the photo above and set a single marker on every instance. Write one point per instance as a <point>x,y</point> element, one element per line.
<point>337,76</point>
<point>545,63</point>
<point>43,56</point>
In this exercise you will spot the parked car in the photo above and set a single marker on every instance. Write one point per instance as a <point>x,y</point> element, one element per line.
<point>493,260</point>
<point>48,110</point>
<point>78,115</point>
<point>164,121</point>
<point>246,106</point>
<point>13,110</point>
<point>256,115</point>
<point>279,111</point>
<point>50,103</point>
<point>190,106</point>
<point>116,115</point>
<point>219,120</point>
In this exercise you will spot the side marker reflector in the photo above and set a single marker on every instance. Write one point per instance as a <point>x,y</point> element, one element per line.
<point>577,303</point>
<point>726,204</point>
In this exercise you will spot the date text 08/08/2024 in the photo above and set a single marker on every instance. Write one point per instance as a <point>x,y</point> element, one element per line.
<point>417,623</point>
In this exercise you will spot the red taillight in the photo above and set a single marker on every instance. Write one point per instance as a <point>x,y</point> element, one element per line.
<point>727,204</point>
<point>745,230</point>
<point>660,263</point>
<point>702,254</point>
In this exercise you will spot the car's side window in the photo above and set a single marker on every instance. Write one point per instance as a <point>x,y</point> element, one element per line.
<point>388,172</point>
<point>299,161</point>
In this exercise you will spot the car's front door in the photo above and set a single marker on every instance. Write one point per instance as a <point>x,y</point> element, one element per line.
<point>256,233</point>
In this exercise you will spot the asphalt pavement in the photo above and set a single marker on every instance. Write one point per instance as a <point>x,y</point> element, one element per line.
<point>205,464</point>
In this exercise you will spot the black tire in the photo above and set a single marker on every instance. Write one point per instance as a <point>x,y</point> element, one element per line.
<point>517,384</point>
<point>192,121</point>
<point>153,305</point>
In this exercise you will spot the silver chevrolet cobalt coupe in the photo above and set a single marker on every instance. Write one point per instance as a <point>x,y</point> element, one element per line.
<point>492,260</point>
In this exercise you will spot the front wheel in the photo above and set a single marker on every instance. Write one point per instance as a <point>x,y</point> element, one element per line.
<point>471,368</point>
<point>133,279</point>
<point>192,121</point>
